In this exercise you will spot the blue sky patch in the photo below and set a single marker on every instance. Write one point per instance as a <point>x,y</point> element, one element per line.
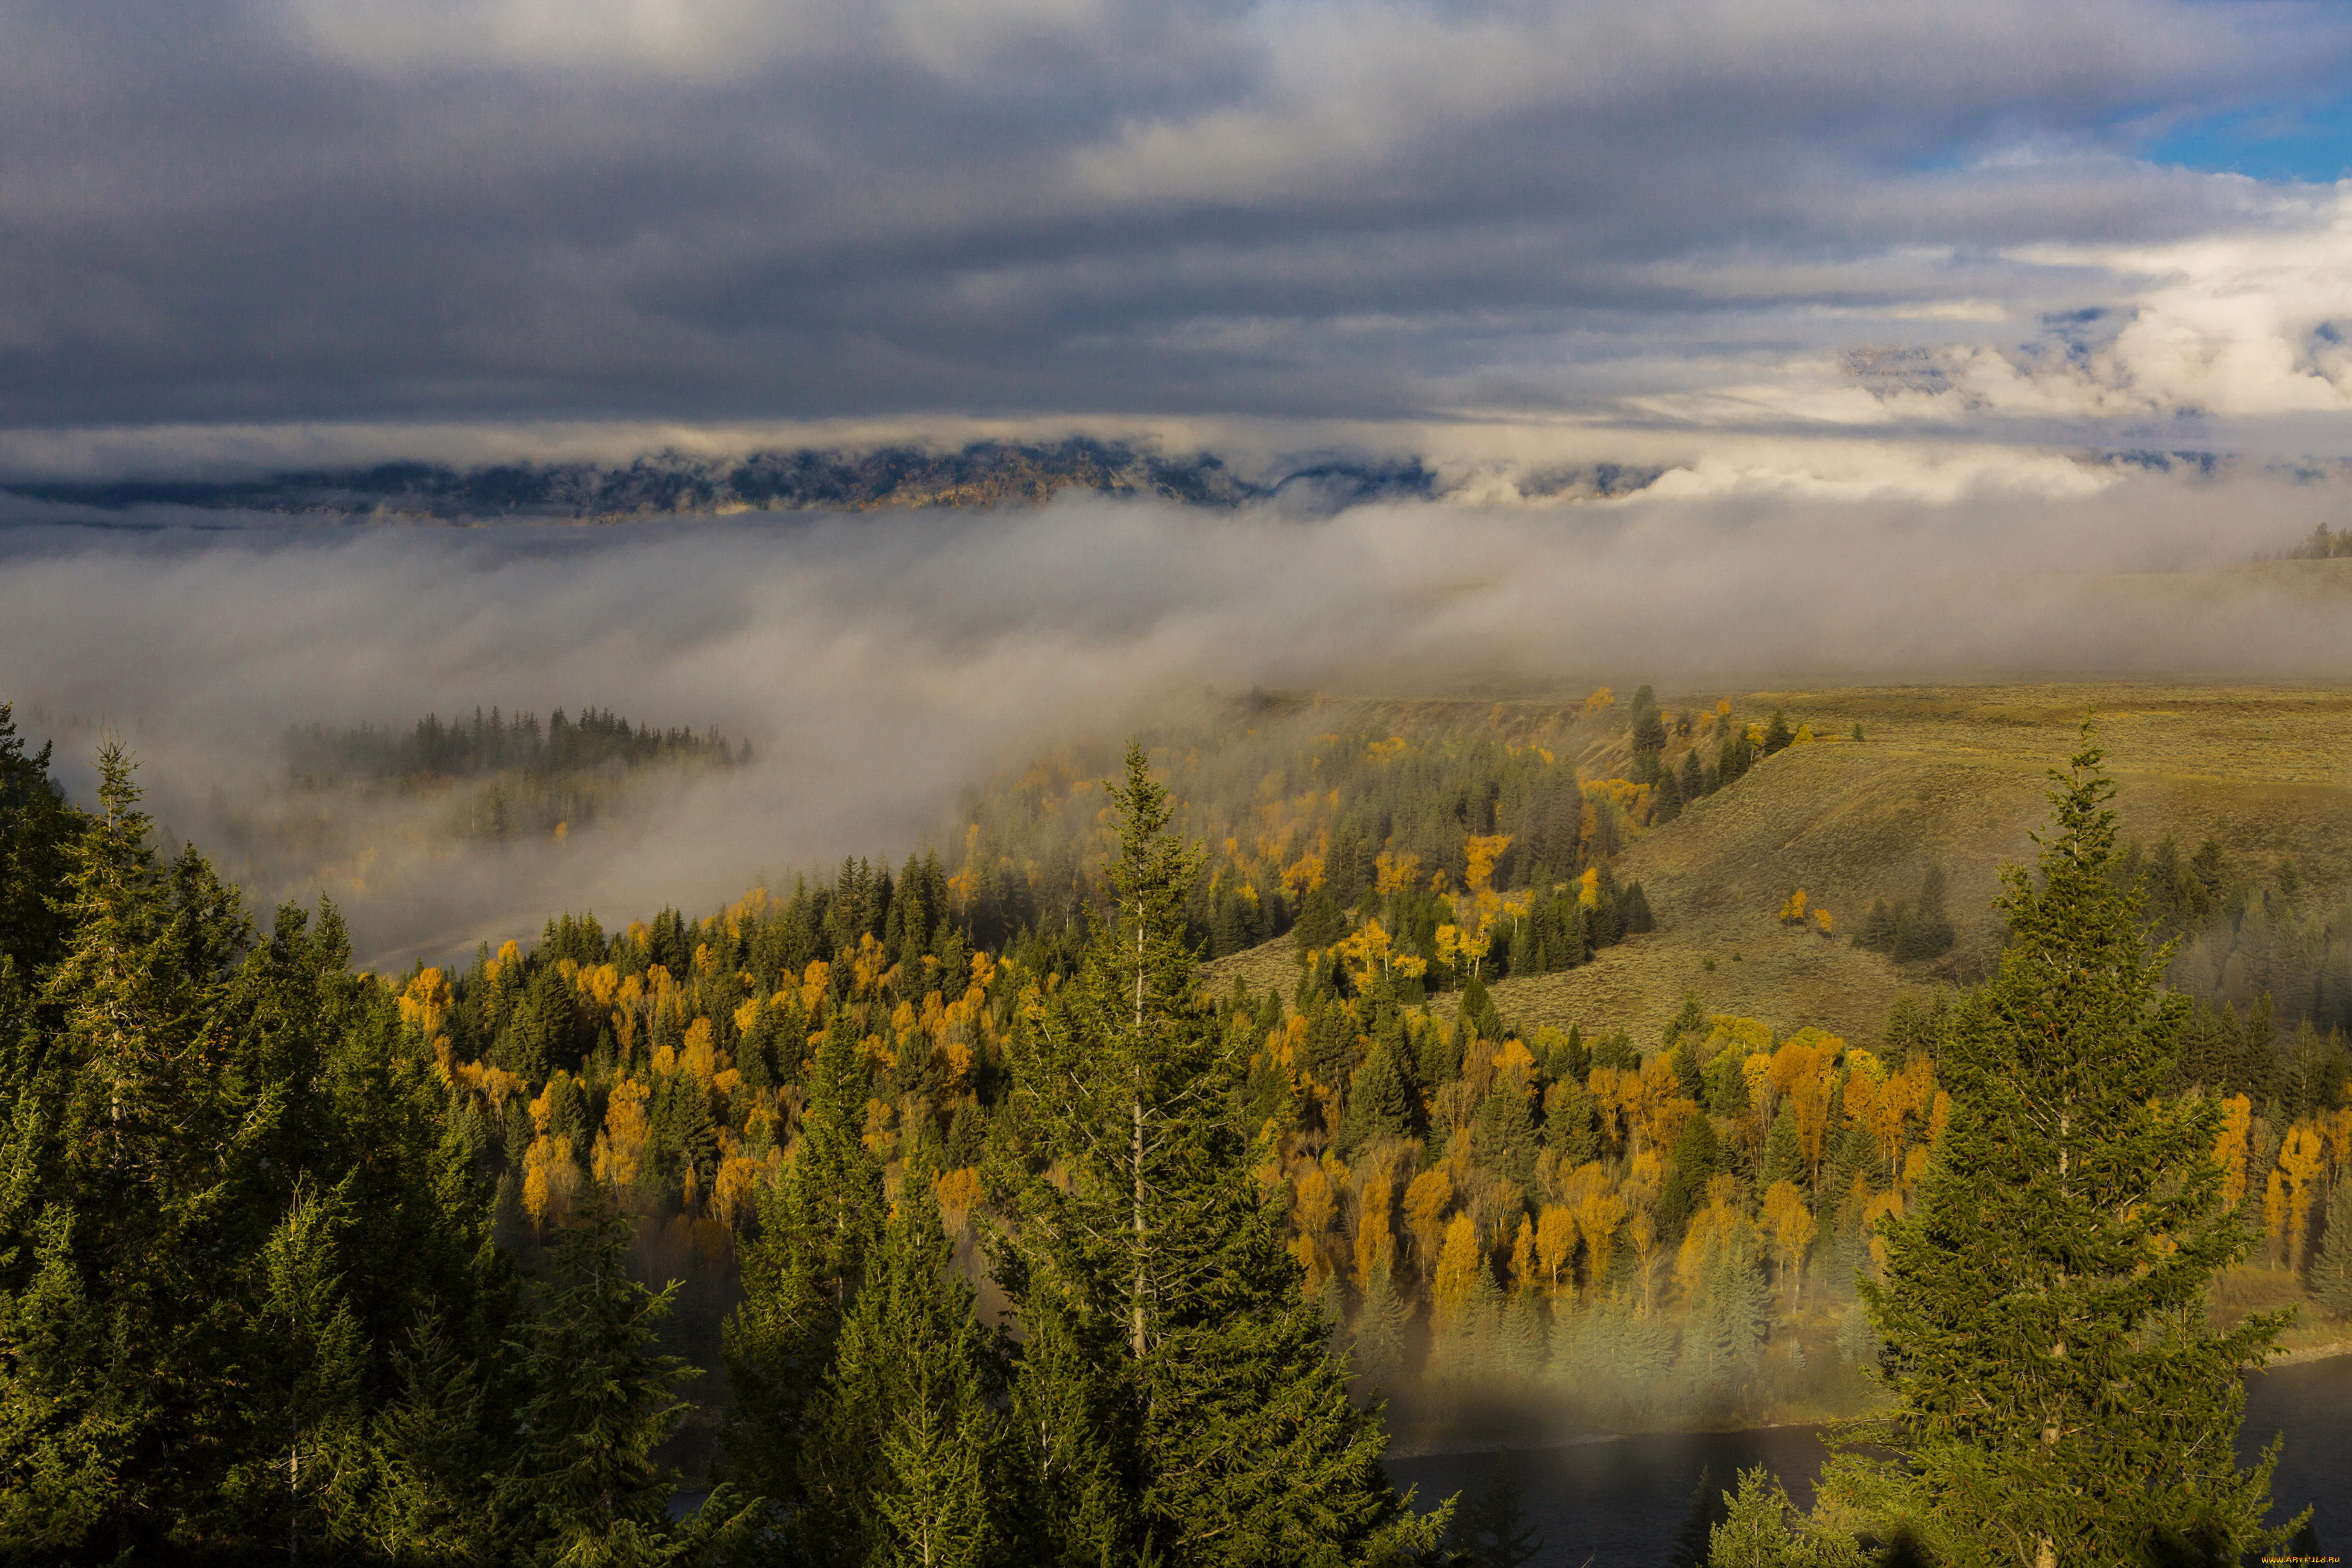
<point>2306,139</point>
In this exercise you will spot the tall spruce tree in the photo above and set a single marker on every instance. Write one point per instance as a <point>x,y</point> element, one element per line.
<point>1159,1300</point>
<point>908,1448</point>
<point>1382,1101</point>
<point>586,1485</point>
<point>819,1225</point>
<point>2060,1396</point>
<point>2331,1271</point>
<point>37,829</point>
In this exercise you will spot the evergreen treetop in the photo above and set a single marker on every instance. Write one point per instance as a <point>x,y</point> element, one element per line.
<point>1222,1428</point>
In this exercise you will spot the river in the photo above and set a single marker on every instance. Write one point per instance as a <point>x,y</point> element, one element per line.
<point>1619,1502</point>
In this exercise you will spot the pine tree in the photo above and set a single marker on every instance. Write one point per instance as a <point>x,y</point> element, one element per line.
<point>1502,1135</point>
<point>1157,1260</point>
<point>2331,1273</point>
<point>2060,1396</point>
<point>1491,1529</point>
<point>1570,1125</point>
<point>587,1485</point>
<point>904,1435</point>
<point>1670,798</point>
<point>307,1472</point>
<point>819,1225</point>
<point>37,830</point>
<point>1380,1323</point>
<point>1696,1157</point>
<point>1381,1102</point>
<point>1694,776</point>
<point>431,1459</point>
<point>132,1161</point>
<point>1784,1153</point>
<point>1321,921</point>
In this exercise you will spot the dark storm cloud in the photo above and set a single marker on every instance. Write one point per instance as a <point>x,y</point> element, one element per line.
<point>303,210</point>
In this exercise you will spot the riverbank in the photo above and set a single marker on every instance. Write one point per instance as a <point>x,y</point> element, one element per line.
<point>1618,1500</point>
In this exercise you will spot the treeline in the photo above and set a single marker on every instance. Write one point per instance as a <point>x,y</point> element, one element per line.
<point>1394,822</point>
<point>2323,545</point>
<point>491,744</point>
<point>2247,939</point>
<point>506,777</point>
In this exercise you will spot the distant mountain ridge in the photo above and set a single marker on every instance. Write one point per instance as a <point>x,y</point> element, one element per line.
<point>673,484</point>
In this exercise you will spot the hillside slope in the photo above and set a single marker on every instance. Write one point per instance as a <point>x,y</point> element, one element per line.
<point>1954,776</point>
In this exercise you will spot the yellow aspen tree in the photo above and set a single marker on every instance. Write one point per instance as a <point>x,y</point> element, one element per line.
<point>958,1192</point>
<point>1426,1198</point>
<point>1375,1238</point>
<point>1312,1202</point>
<point>1460,1264</point>
<point>1598,1216</point>
<point>2237,1120</point>
<point>2299,1159</point>
<point>620,1150</point>
<point>425,1004</point>
<point>732,1189</point>
<point>546,1177</point>
<point>1828,926</point>
<point>1882,1205</point>
<point>1914,1166</point>
<point>1641,1231</point>
<point>2337,1128</point>
<point>1789,1226</point>
<point>1802,1072</point>
<point>696,1056</point>
<point>1395,872</point>
<point>1555,1241</point>
<point>534,1183</point>
<point>1524,1267</point>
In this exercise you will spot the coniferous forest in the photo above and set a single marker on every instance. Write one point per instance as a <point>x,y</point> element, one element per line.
<point>970,1213</point>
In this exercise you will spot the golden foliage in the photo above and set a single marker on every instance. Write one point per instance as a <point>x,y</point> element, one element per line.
<point>1556,1240</point>
<point>620,1150</point>
<point>2237,1120</point>
<point>549,1177</point>
<point>734,1188</point>
<point>1460,1265</point>
<point>1426,1198</point>
<point>1375,1238</point>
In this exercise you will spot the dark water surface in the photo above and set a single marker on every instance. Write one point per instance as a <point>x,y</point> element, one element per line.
<point>1619,1502</point>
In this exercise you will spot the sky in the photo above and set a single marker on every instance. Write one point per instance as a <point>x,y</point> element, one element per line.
<point>300,227</point>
